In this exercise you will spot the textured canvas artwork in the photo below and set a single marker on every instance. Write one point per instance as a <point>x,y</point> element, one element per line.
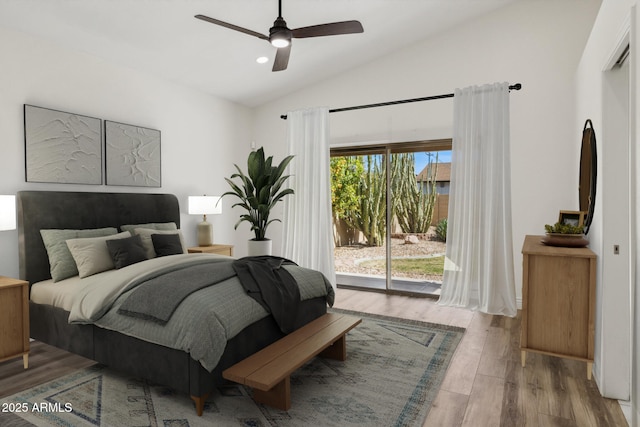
<point>62,147</point>
<point>133,155</point>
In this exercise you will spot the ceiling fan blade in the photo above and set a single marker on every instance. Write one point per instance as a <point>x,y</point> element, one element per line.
<point>282,58</point>
<point>333,29</point>
<point>232,27</point>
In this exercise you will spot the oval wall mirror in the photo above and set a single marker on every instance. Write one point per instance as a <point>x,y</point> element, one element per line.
<point>588,173</point>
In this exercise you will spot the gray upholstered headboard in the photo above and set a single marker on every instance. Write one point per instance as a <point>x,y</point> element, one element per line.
<point>78,210</point>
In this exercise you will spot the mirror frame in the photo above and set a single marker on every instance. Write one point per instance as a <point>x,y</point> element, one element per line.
<point>588,173</point>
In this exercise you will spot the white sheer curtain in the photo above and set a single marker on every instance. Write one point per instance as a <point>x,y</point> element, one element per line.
<point>479,257</point>
<point>307,231</point>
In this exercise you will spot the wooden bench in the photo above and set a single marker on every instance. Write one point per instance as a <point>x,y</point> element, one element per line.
<point>267,371</point>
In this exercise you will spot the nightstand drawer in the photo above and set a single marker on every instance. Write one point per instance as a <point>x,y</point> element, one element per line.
<point>212,249</point>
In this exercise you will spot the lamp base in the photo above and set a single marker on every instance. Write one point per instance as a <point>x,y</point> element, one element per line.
<point>205,234</point>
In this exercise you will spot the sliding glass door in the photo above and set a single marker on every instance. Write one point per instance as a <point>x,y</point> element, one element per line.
<point>359,206</point>
<point>389,208</point>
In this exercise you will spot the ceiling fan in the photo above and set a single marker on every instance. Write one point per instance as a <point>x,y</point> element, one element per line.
<point>280,35</point>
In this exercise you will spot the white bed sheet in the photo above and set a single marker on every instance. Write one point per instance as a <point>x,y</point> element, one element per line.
<point>63,293</point>
<point>58,294</point>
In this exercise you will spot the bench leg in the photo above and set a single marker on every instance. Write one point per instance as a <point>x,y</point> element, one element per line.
<point>337,350</point>
<point>199,400</point>
<point>279,396</point>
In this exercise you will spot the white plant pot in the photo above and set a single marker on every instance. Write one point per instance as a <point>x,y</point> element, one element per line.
<point>259,247</point>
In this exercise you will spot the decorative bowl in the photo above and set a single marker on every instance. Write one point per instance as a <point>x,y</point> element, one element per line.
<point>565,240</point>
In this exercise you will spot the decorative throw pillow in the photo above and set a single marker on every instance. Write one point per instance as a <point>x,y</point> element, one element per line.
<point>126,251</point>
<point>61,262</point>
<point>151,226</point>
<point>92,255</point>
<point>145,234</point>
<point>166,244</point>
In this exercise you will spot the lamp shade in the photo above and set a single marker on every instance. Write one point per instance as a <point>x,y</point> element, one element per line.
<point>205,205</point>
<point>7,212</point>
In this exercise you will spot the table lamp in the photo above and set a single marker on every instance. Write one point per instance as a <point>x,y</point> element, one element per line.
<point>205,205</point>
<point>7,212</point>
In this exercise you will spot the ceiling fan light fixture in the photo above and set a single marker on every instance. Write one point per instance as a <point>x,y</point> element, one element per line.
<point>280,35</point>
<point>279,41</point>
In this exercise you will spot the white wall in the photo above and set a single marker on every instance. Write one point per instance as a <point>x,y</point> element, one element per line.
<point>537,44</point>
<point>599,97</point>
<point>199,132</point>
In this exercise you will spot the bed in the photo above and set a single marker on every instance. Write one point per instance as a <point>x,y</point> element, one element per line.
<point>124,351</point>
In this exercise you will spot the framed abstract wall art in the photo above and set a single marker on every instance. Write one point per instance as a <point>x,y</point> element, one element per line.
<point>62,147</point>
<point>132,155</point>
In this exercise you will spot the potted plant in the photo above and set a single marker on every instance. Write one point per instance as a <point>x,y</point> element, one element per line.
<point>259,191</point>
<point>563,234</point>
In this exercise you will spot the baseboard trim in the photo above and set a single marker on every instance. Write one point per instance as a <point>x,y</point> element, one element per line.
<point>627,409</point>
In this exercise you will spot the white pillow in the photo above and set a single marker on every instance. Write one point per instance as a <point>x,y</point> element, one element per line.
<point>92,255</point>
<point>60,259</point>
<point>145,235</point>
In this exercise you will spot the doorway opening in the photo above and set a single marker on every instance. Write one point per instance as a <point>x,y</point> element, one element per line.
<point>389,206</point>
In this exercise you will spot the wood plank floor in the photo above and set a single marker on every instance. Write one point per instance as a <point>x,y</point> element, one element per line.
<point>45,364</point>
<point>484,386</point>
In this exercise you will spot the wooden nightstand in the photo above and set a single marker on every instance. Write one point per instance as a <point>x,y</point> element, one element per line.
<point>213,249</point>
<point>14,319</point>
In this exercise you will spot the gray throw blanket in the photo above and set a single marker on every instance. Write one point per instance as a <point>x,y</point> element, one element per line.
<point>263,278</point>
<point>156,299</point>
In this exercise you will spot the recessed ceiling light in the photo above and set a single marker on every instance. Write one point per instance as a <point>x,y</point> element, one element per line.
<point>262,60</point>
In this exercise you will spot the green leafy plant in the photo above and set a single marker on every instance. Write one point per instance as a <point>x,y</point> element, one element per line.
<point>370,215</point>
<point>358,194</point>
<point>441,230</point>
<point>259,190</point>
<point>559,228</point>
<point>413,201</point>
<point>346,173</point>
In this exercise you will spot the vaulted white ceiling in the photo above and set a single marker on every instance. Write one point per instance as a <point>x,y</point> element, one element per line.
<point>163,38</point>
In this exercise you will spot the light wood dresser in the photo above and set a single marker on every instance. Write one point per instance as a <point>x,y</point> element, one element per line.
<point>14,319</point>
<point>558,301</point>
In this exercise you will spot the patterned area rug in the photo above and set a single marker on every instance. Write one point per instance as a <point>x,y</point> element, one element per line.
<point>393,371</point>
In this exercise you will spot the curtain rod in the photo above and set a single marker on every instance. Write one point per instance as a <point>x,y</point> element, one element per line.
<point>516,86</point>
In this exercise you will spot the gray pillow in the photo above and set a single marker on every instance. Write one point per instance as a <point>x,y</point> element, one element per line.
<point>152,226</point>
<point>145,234</point>
<point>61,262</point>
<point>126,251</point>
<point>92,255</point>
<point>166,244</point>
